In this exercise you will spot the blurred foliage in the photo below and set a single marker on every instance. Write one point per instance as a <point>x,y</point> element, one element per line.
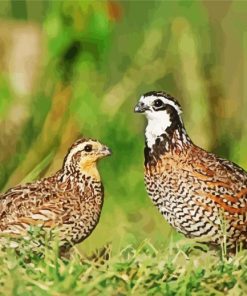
<point>95,59</point>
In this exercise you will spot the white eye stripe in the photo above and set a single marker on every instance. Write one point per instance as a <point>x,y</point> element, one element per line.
<point>149,100</point>
<point>73,151</point>
<point>169,102</point>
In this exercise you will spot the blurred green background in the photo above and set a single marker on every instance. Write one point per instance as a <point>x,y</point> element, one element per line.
<point>71,68</point>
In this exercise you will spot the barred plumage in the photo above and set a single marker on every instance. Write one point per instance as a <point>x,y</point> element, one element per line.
<point>199,194</point>
<point>69,202</point>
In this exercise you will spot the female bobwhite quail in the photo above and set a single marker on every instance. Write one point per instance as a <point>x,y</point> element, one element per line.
<point>198,193</point>
<point>68,202</point>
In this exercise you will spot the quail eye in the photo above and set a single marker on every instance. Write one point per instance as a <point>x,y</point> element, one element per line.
<point>88,148</point>
<point>158,103</point>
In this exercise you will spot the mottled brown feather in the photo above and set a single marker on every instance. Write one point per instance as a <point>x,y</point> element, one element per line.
<point>69,201</point>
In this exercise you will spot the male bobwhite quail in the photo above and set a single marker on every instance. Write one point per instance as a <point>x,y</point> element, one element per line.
<point>68,202</point>
<point>198,193</point>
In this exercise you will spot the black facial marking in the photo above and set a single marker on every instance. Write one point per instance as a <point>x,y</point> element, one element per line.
<point>175,120</point>
<point>88,148</point>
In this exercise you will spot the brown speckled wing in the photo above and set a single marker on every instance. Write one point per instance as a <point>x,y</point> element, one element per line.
<point>224,181</point>
<point>32,204</point>
<point>220,189</point>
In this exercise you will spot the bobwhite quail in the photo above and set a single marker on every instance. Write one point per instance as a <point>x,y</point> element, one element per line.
<point>198,193</point>
<point>69,202</point>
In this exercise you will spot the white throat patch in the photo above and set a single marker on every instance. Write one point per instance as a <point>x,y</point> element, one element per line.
<point>157,125</point>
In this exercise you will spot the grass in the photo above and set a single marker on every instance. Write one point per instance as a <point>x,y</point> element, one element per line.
<point>180,269</point>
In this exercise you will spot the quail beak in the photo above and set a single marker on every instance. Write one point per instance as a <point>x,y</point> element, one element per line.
<point>105,151</point>
<point>141,108</point>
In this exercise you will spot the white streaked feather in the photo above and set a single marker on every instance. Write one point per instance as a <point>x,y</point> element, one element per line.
<point>73,151</point>
<point>47,213</point>
<point>39,217</point>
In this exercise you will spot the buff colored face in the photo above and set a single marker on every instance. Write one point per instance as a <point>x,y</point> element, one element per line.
<point>87,153</point>
<point>91,152</point>
<point>94,150</point>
